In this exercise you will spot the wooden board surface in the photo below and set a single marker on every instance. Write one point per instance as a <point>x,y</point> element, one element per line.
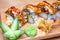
<point>53,33</point>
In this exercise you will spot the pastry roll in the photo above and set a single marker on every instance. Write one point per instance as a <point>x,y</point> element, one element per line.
<point>48,9</point>
<point>31,13</point>
<point>56,5</point>
<point>44,25</point>
<point>12,12</point>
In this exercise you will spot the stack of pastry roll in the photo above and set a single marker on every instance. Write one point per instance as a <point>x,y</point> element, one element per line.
<point>41,15</point>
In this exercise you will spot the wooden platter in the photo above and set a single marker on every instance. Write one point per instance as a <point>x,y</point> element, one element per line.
<point>4,5</point>
<point>53,33</point>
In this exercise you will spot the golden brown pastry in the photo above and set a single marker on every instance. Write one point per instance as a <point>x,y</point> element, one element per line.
<point>32,8</point>
<point>44,25</point>
<point>56,4</point>
<point>46,7</point>
<point>14,12</point>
